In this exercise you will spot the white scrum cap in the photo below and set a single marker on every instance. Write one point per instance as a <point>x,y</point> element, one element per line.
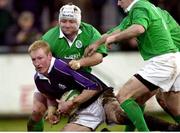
<point>70,11</point>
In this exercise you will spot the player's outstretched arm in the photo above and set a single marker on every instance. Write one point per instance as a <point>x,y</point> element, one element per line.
<point>133,31</point>
<point>91,49</point>
<point>65,107</point>
<point>93,60</point>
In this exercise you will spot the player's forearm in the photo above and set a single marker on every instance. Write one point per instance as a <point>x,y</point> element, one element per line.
<point>131,32</point>
<point>93,60</point>
<point>101,40</point>
<point>51,102</point>
<point>84,96</point>
<point>105,36</point>
<point>115,32</point>
<point>51,110</point>
<point>51,105</point>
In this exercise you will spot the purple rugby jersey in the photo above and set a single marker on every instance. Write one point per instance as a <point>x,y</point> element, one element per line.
<point>62,78</point>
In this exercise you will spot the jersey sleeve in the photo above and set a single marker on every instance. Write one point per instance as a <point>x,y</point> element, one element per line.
<point>84,79</point>
<point>123,25</point>
<point>140,16</point>
<point>95,36</point>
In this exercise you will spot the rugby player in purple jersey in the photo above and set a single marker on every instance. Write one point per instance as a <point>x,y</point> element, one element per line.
<point>53,78</point>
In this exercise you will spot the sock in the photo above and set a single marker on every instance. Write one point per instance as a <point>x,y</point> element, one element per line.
<point>35,126</point>
<point>135,114</point>
<point>131,127</point>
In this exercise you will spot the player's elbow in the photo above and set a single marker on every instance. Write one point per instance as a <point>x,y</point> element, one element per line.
<point>139,29</point>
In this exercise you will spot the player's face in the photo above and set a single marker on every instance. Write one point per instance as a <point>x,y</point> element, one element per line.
<point>124,3</point>
<point>69,26</point>
<point>41,60</point>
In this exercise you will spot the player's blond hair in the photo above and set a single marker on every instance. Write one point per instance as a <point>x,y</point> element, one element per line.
<point>39,44</point>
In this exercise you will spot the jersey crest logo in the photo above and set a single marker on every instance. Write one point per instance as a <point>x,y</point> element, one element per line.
<point>78,44</point>
<point>61,86</point>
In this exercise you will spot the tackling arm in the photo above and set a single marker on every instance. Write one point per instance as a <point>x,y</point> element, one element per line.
<point>52,117</point>
<point>84,96</point>
<point>131,32</point>
<point>91,56</point>
<point>95,59</point>
<point>91,49</point>
<point>65,107</point>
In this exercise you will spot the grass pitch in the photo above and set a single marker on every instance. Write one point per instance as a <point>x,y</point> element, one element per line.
<point>19,124</point>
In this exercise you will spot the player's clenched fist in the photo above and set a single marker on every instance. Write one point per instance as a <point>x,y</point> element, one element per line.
<point>75,64</point>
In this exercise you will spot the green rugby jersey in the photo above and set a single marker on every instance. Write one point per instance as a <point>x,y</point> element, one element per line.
<point>123,25</point>
<point>157,39</point>
<point>173,27</point>
<point>61,49</point>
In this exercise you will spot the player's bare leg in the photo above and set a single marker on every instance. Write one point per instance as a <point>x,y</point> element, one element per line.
<point>142,99</point>
<point>170,102</point>
<point>132,89</point>
<point>36,122</point>
<point>115,115</point>
<point>75,128</point>
<point>111,107</point>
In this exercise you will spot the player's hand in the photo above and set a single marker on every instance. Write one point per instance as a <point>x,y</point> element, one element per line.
<point>52,117</point>
<point>65,107</point>
<point>90,50</point>
<point>109,41</point>
<point>75,64</point>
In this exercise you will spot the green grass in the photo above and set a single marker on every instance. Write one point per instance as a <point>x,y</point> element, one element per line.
<point>19,124</point>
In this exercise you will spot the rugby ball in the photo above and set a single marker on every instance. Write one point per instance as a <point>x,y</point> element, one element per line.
<point>70,95</point>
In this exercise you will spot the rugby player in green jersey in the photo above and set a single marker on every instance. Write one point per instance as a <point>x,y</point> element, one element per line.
<point>174,29</point>
<point>161,54</point>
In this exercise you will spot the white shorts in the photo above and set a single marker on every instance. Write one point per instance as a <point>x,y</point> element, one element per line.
<point>91,116</point>
<point>163,71</point>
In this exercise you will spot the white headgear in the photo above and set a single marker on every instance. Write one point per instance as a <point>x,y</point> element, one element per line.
<point>70,12</point>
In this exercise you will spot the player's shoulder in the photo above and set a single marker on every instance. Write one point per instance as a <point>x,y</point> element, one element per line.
<point>142,4</point>
<point>86,26</point>
<point>89,29</point>
<point>61,64</point>
<point>51,32</point>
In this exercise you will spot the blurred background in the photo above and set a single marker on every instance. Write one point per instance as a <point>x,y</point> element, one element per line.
<point>24,21</point>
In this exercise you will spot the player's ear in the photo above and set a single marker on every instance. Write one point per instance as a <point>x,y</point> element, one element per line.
<point>50,54</point>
